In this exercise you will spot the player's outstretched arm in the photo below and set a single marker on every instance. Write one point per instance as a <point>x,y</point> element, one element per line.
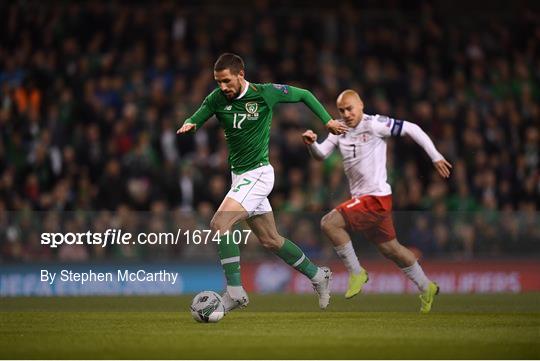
<point>318,151</point>
<point>199,117</point>
<point>291,94</point>
<point>442,166</point>
<point>333,126</point>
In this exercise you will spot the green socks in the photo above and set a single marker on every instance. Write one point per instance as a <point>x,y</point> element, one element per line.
<point>294,257</point>
<point>229,254</point>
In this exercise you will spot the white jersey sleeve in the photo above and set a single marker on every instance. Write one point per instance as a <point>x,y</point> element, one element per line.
<point>422,139</point>
<point>384,126</point>
<point>323,150</point>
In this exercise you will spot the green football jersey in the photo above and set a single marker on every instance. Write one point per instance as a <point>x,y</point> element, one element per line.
<point>247,119</point>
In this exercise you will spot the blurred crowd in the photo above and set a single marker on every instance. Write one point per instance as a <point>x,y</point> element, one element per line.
<point>91,95</point>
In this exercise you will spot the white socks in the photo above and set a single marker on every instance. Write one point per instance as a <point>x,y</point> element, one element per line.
<point>319,276</point>
<point>236,292</point>
<point>348,256</point>
<point>417,275</point>
<point>414,272</point>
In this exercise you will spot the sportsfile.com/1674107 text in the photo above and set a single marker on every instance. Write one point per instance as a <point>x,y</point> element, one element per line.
<point>119,237</point>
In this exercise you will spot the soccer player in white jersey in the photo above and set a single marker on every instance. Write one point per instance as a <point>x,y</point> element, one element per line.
<point>363,149</point>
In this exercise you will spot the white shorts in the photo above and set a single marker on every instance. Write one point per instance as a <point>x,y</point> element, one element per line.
<point>251,189</point>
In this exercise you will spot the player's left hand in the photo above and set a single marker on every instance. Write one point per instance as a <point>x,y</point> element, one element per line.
<point>336,127</point>
<point>187,127</point>
<point>443,168</point>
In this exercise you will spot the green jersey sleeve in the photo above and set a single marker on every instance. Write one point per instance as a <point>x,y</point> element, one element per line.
<point>205,111</point>
<point>279,93</point>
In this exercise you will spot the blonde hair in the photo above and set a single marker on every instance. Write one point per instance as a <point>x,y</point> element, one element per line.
<point>348,93</point>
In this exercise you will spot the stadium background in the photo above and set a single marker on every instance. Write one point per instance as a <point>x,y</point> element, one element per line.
<point>92,94</point>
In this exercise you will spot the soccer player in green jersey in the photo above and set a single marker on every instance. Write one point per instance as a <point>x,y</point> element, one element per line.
<point>244,110</point>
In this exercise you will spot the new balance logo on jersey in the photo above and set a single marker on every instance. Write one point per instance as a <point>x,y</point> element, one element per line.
<point>228,107</point>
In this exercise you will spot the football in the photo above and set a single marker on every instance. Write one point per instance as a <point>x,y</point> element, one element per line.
<point>207,306</point>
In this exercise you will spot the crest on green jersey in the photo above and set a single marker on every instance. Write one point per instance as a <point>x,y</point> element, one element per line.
<point>252,107</point>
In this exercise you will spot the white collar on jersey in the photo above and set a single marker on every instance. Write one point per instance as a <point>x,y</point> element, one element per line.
<point>243,91</point>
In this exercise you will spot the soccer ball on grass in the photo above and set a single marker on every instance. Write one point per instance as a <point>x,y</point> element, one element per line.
<point>207,306</point>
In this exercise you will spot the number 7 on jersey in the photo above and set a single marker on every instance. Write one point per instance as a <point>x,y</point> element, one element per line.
<point>238,120</point>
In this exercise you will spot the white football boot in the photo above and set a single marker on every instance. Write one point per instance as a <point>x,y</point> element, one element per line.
<point>240,299</point>
<point>322,287</point>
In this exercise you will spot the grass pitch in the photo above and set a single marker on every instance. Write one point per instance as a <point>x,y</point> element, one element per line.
<point>273,326</point>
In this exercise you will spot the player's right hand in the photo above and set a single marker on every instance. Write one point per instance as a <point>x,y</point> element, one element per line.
<point>309,137</point>
<point>443,168</point>
<point>336,127</point>
<point>187,127</point>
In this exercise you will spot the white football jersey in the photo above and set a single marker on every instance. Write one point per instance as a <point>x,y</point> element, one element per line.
<point>363,149</point>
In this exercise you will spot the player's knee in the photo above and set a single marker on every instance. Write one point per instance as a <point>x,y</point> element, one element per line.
<point>219,225</point>
<point>327,223</point>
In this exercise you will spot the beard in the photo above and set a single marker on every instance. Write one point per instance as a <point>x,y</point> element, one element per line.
<point>232,94</point>
<point>235,91</point>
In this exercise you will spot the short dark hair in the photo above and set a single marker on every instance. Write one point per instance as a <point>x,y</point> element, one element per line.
<point>229,61</point>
